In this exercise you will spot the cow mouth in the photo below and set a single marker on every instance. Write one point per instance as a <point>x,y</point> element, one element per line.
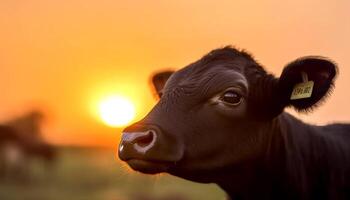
<point>149,166</point>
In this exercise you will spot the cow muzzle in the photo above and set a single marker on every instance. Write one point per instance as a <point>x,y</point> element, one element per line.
<point>146,149</point>
<point>137,142</point>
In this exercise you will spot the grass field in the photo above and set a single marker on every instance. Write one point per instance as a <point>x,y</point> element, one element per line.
<point>96,174</point>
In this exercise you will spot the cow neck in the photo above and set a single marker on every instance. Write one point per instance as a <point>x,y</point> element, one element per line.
<point>311,152</point>
<point>263,177</point>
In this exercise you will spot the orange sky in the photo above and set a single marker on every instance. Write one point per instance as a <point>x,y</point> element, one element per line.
<point>65,55</point>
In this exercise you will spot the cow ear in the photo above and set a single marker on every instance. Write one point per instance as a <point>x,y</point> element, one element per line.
<point>306,81</point>
<point>158,82</point>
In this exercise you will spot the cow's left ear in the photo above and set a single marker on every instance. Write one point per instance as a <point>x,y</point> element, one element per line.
<point>306,81</point>
<point>158,82</point>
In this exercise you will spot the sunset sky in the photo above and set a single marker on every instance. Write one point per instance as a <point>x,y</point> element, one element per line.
<point>64,56</point>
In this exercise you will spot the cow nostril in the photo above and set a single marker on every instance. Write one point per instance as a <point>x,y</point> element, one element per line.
<point>146,139</point>
<point>139,141</point>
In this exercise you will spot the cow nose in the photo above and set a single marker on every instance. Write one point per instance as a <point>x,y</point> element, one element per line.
<point>135,142</point>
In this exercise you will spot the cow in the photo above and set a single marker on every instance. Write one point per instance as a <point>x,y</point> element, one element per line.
<point>221,120</point>
<point>11,153</point>
<point>28,127</point>
<point>20,143</point>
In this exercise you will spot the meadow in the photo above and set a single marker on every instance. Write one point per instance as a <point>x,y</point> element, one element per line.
<point>96,174</point>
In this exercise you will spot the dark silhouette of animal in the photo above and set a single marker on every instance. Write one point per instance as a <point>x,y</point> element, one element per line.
<point>221,120</point>
<point>11,152</point>
<point>21,142</point>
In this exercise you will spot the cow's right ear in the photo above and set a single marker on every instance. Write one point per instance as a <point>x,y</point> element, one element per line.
<point>306,81</point>
<point>158,82</point>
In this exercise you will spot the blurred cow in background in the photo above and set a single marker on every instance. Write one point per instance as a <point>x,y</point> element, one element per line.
<point>20,143</point>
<point>11,152</point>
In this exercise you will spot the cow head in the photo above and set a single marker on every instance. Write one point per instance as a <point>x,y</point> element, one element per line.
<point>216,113</point>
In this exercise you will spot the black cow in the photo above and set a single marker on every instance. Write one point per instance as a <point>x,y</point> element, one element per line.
<point>221,120</point>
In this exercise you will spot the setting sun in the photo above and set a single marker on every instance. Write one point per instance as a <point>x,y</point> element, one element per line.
<point>116,111</point>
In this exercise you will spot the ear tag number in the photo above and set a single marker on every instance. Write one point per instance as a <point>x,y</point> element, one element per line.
<point>304,89</point>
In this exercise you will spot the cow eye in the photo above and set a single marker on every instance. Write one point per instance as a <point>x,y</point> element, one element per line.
<point>231,98</point>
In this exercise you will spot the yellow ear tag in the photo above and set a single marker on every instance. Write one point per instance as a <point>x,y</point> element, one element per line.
<point>302,90</point>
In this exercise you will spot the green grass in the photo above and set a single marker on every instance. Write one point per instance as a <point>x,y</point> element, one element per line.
<point>96,174</point>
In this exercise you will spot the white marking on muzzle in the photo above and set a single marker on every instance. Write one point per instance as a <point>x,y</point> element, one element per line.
<point>131,136</point>
<point>121,147</point>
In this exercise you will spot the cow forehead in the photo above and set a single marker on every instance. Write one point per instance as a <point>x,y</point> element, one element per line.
<point>222,63</point>
<point>197,75</point>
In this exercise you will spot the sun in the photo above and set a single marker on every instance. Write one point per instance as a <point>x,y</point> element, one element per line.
<point>116,111</point>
